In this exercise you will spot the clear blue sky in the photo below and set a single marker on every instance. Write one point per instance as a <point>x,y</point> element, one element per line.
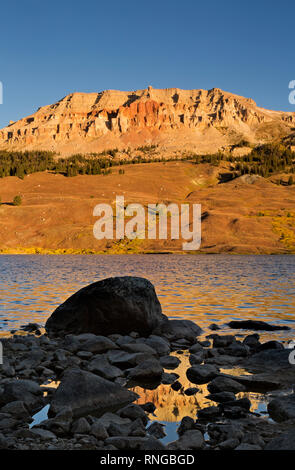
<point>50,49</point>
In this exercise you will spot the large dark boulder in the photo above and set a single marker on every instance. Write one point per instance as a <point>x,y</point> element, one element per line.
<point>113,305</point>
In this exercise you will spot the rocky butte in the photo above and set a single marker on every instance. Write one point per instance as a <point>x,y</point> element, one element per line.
<point>174,119</point>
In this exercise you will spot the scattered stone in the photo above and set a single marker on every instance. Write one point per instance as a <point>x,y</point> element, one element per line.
<point>285,441</point>
<point>224,384</point>
<point>169,362</point>
<point>176,386</point>
<point>168,379</point>
<point>282,408</point>
<point>209,413</point>
<point>270,345</point>
<point>81,426</point>
<point>175,330</point>
<point>191,391</point>
<point>148,370</point>
<point>222,397</point>
<point>101,366</point>
<point>149,407</point>
<point>160,345</point>
<point>201,374</point>
<point>85,392</point>
<point>229,444</point>
<point>223,341</point>
<point>157,430</point>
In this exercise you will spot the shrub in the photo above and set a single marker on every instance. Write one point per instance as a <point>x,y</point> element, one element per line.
<point>17,200</point>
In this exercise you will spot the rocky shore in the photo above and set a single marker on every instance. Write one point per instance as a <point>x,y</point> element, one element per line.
<point>81,370</point>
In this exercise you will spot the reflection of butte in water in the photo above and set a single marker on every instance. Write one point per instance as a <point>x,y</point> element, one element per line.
<point>172,406</point>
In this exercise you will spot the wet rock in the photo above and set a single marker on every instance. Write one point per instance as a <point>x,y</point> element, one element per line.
<point>61,424</point>
<point>214,327</point>
<point>190,440</point>
<point>191,391</point>
<point>248,447</point>
<point>21,390</point>
<point>99,431</point>
<point>139,348</point>
<point>256,382</point>
<point>3,442</point>
<point>147,370</point>
<point>196,358</point>
<point>223,341</point>
<point>157,430</point>
<point>101,366</point>
<point>113,305</point>
<point>253,438</point>
<point>222,397</point>
<point>209,413</point>
<point>168,379</point>
<point>17,409</point>
<point>130,442</point>
<point>238,350</point>
<point>176,386</point>
<point>285,441</point>
<point>196,348</point>
<point>81,426</point>
<point>187,423</point>
<point>85,355</point>
<point>42,434</point>
<point>255,325</point>
<point>201,374</point>
<point>282,408</point>
<point>175,330</point>
<point>95,344</point>
<point>125,359</point>
<point>85,392</point>
<point>252,341</point>
<point>270,345</point>
<point>223,361</point>
<point>112,418</point>
<point>30,327</point>
<point>229,444</point>
<point>169,362</point>
<point>223,431</point>
<point>159,344</point>
<point>133,412</point>
<point>244,403</point>
<point>152,444</point>
<point>7,422</point>
<point>137,428</point>
<point>149,407</point>
<point>224,384</point>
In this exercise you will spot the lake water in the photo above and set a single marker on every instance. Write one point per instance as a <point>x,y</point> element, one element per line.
<point>203,288</point>
<point>206,289</point>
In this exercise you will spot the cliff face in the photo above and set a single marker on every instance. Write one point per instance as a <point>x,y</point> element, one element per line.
<point>198,120</point>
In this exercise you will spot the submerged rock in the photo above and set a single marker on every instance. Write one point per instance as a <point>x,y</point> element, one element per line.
<point>255,325</point>
<point>175,330</point>
<point>85,393</point>
<point>113,305</point>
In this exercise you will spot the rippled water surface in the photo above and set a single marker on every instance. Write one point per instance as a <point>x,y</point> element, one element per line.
<point>205,288</point>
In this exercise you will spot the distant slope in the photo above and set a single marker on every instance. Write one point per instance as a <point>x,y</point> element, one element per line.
<point>246,215</point>
<point>176,120</point>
